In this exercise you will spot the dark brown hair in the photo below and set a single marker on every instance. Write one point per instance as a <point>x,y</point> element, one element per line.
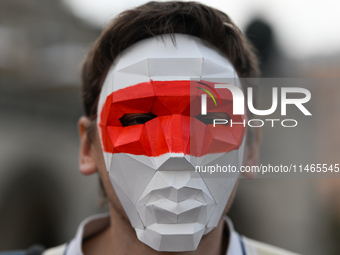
<point>159,18</point>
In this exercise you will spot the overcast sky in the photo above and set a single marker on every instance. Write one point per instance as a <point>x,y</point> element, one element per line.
<point>303,28</point>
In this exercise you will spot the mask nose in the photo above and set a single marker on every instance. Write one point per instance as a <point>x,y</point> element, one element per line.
<point>176,130</point>
<point>176,163</point>
<point>176,134</point>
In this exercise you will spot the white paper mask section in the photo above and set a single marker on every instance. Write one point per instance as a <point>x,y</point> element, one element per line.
<point>169,205</point>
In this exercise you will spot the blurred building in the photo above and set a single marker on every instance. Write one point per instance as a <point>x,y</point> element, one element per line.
<point>299,214</point>
<point>42,195</point>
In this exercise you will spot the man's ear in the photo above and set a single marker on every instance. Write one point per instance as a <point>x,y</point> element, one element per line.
<point>252,152</point>
<point>87,163</point>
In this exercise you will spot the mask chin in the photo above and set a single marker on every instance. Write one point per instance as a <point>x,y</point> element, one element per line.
<point>176,206</point>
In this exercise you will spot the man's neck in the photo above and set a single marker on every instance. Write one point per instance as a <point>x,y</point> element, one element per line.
<point>120,238</point>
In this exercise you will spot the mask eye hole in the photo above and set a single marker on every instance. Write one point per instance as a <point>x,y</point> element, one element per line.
<point>209,118</point>
<point>130,119</point>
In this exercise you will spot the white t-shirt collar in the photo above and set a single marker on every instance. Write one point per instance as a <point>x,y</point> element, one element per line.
<point>97,223</point>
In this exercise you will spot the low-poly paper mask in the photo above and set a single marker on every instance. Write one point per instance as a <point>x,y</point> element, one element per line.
<point>154,136</point>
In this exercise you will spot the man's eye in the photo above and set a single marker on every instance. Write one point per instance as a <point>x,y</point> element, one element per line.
<point>130,119</point>
<point>209,118</point>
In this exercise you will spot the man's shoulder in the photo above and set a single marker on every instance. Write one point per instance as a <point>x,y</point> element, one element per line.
<point>33,250</point>
<point>38,250</point>
<point>58,250</point>
<point>259,248</point>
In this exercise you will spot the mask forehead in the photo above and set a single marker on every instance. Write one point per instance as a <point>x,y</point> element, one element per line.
<point>159,59</point>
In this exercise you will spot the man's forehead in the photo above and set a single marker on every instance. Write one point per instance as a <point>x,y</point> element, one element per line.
<point>160,59</point>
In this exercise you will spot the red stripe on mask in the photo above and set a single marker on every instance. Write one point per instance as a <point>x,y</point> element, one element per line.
<point>175,128</point>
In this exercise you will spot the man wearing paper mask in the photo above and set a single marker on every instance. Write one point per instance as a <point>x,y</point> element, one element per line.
<point>144,83</point>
